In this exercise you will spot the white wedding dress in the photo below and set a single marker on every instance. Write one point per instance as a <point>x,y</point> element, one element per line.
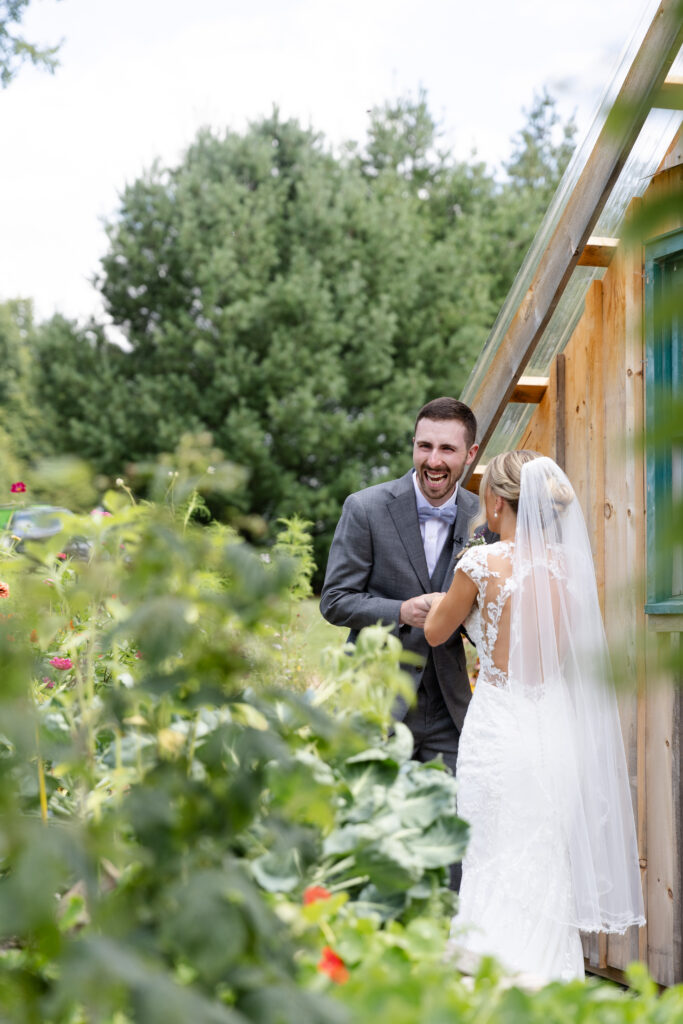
<point>516,898</point>
<point>542,776</point>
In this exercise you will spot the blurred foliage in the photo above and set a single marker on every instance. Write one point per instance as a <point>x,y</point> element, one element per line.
<point>298,305</point>
<point>15,50</point>
<point>186,839</point>
<point>157,780</point>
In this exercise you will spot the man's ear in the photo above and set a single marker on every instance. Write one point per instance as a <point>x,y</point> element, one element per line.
<point>471,453</point>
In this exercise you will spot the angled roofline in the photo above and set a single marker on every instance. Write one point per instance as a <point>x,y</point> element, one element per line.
<point>644,85</point>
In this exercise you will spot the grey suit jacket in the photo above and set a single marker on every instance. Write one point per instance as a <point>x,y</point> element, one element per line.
<point>377,561</point>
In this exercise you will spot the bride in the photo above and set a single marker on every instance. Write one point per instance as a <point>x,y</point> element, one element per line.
<point>541,769</point>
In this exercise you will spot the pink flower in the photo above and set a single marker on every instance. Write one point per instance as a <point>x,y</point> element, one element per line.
<point>18,488</point>
<point>47,682</point>
<point>4,589</point>
<point>61,556</point>
<point>99,513</point>
<point>63,663</point>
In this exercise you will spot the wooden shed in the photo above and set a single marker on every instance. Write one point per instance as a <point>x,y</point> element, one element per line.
<point>588,340</point>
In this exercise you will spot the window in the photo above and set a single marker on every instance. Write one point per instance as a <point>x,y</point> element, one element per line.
<point>664,422</point>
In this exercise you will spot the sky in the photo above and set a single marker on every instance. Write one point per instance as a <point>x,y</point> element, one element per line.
<point>138,78</point>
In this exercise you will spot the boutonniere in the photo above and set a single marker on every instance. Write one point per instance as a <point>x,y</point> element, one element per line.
<point>473,542</point>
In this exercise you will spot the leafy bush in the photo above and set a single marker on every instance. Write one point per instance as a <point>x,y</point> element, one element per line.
<point>187,839</point>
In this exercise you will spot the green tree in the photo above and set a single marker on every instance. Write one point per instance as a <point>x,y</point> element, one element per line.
<point>22,418</point>
<point>280,298</point>
<point>15,50</point>
<point>298,305</point>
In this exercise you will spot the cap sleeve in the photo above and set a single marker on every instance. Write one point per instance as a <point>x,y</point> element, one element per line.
<point>474,563</point>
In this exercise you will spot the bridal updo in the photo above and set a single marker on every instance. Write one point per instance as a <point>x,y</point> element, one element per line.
<point>503,475</point>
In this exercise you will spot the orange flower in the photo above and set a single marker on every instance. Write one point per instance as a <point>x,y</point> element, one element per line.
<point>4,589</point>
<point>34,636</point>
<point>333,966</point>
<point>314,893</point>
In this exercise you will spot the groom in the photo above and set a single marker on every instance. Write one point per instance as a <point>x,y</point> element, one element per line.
<point>395,544</point>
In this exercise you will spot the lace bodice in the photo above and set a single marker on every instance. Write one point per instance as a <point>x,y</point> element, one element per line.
<point>488,624</point>
<point>490,567</point>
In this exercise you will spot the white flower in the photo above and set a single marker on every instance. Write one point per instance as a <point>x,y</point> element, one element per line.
<point>471,543</point>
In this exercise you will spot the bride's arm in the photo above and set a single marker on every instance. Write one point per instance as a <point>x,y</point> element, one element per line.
<point>449,610</point>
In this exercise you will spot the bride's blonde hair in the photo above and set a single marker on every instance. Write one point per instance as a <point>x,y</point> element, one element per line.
<point>503,475</point>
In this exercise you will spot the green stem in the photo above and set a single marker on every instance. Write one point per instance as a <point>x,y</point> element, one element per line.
<point>193,741</point>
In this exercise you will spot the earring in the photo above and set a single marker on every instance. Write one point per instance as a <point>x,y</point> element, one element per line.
<point>495,515</point>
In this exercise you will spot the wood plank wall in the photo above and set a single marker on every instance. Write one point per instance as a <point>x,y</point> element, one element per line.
<point>604,403</point>
<point>663,729</point>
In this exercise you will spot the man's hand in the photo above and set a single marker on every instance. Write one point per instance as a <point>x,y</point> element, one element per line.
<point>414,610</point>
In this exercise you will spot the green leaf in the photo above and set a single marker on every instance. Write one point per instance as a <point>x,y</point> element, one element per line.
<point>442,844</point>
<point>277,871</point>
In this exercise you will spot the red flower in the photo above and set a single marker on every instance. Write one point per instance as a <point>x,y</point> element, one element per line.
<point>333,966</point>
<point>4,589</point>
<point>18,488</point>
<point>61,556</point>
<point>63,663</point>
<point>314,893</point>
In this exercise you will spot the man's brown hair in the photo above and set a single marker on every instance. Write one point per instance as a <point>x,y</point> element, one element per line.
<point>450,409</point>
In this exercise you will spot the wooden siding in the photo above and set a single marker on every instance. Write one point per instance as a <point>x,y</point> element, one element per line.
<point>603,399</point>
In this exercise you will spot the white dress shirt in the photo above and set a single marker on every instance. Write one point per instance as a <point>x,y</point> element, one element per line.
<point>434,531</point>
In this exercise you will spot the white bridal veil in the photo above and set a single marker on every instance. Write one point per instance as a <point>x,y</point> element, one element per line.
<point>559,663</point>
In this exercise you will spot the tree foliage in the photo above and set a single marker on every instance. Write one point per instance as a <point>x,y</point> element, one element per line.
<point>15,50</point>
<point>187,838</point>
<point>297,304</point>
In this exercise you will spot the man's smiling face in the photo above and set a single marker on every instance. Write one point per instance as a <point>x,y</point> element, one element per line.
<point>440,454</point>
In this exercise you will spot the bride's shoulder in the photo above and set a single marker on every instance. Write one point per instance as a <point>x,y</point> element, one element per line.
<point>475,555</point>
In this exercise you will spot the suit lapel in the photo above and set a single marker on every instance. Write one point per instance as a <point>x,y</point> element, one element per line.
<point>403,511</point>
<point>444,560</point>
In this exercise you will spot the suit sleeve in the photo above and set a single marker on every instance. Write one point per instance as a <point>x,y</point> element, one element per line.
<point>345,600</point>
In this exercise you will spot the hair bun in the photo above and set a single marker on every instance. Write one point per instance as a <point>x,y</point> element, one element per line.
<point>561,495</point>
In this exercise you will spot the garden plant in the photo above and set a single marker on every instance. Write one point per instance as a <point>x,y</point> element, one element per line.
<point>201,825</point>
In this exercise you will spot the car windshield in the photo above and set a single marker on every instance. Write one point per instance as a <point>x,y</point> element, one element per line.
<point>37,523</point>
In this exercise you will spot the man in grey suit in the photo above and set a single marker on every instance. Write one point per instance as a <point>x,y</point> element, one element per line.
<point>394,546</point>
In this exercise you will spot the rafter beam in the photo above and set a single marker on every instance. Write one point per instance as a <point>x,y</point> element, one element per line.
<point>598,252</point>
<point>530,390</point>
<point>622,126</point>
<point>670,96</point>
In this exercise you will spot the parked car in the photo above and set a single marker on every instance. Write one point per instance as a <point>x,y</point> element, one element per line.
<point>38,522</point>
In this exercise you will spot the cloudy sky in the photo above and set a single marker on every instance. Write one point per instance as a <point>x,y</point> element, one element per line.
<point>139,77</point>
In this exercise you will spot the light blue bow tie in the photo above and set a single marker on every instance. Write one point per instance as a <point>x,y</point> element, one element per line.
<point>447,513</point>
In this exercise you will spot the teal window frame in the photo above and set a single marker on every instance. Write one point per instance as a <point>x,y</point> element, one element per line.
<point>663,380</point>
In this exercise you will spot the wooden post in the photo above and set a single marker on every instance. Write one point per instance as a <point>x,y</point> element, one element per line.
<point>677,784</point>
<point>561,411</point>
